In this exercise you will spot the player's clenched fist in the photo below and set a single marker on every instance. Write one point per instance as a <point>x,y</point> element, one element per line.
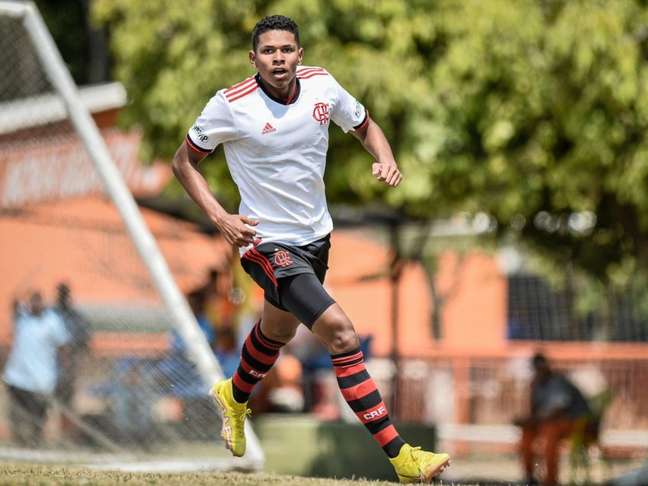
<point>387,173</point>
<point>237,230</point>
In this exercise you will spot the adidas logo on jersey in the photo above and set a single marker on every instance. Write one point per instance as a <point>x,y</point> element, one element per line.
<point>268,129</point>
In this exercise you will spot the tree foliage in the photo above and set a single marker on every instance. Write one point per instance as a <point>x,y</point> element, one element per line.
<point>81,43</point>
<point>533,111</point>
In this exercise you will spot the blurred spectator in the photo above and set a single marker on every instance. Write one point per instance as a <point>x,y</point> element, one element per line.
<point>221,301</point>
<point>69,365</point>
<point>287,395</point>
<point>226,351</point>
<point>281,390</point>
<point>31,370</point>
<point>558,409</point>
<point>180,371</point>
<point>132,401</point>
<point>196,300</point>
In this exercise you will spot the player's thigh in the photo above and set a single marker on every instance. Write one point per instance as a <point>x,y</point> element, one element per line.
<point>305,297</point>
<point>277,324</point>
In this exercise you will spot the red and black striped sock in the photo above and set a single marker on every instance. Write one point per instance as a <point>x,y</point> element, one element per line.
<point>360,392</point>
<point>258,355</point>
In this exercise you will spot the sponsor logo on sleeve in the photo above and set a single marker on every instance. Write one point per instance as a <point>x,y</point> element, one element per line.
<point>200,135</point>
<point>359,110</point>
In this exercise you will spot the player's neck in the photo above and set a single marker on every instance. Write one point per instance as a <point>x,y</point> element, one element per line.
<point>284,96</point>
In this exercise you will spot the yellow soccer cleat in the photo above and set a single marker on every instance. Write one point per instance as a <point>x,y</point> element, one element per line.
<point>413,465</point>
<point>233,416</point>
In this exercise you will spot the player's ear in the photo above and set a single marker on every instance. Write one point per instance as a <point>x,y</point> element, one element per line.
<point>300,54</point>
<point>252,57</point>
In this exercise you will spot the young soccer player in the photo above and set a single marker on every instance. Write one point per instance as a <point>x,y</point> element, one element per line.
<point>274,129</point>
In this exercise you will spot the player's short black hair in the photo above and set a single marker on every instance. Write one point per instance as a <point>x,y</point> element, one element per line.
<point>274,22</point>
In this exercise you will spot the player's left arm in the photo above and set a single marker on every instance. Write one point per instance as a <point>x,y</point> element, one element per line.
<point>385,168</point>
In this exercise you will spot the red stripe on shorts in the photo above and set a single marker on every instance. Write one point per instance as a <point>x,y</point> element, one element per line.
<point>249,255</point>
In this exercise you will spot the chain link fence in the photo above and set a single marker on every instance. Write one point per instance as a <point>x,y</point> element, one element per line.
<point>88,353</point>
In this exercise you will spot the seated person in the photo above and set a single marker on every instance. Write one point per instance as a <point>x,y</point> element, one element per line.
<point>557,409</point>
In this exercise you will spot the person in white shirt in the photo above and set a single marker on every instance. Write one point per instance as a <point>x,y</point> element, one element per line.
<point>31,371</point>
<point>274,128</point>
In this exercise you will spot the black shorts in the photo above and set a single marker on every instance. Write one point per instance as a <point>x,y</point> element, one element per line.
<point>292,276</point>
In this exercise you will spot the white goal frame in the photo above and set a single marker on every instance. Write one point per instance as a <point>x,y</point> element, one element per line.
<point>84,125</point>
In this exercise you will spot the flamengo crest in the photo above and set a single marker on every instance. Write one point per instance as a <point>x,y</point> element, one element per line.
<point>282,258</point>
<point>321,113</point>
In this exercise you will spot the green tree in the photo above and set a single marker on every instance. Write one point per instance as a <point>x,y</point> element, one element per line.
<point>173,56</point>
<point>542,108</point>
<point>533,111</point>
<point>82,44</point>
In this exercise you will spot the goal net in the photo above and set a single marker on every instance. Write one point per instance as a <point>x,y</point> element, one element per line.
<point>101,355</point>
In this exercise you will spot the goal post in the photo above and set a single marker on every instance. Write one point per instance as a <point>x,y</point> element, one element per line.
<point>180,315</point>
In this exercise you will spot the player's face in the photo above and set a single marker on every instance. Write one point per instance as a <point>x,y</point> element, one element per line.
<point>277,57</point>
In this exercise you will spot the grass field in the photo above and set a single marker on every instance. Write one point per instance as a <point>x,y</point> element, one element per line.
<point>30,474</point>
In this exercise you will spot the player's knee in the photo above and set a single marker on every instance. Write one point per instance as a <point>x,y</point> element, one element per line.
<point>344,341</point>
<point>281,334</point>
<point>343,337</point>
<point>336,330</point>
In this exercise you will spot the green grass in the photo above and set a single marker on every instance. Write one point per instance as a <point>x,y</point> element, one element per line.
<point>32,474</point>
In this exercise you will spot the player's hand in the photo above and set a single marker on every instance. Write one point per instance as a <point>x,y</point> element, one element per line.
<point>387,173</point>
<point>237,230</point>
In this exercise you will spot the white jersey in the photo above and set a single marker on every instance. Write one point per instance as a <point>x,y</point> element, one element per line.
<point>276,152</point>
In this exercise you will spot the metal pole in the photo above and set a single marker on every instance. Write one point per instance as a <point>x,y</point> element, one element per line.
<point>175,303</point>
<point>119,194</point>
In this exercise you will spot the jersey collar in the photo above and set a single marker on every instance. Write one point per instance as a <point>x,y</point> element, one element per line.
<point>262,84</point>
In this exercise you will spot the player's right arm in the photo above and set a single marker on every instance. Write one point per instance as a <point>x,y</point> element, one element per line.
<point>236,229</point>
<point>214,126</point>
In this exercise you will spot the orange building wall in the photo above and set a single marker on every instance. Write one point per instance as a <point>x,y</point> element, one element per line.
<point>83,242</point>
<point>474,313</point>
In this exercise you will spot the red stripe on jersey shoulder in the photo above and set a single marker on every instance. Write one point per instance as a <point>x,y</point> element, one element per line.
<point>307,69</point>
<point>313,74</point>
<point>308,72</point>
<point>243,91</point>
<point>238,85</point>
